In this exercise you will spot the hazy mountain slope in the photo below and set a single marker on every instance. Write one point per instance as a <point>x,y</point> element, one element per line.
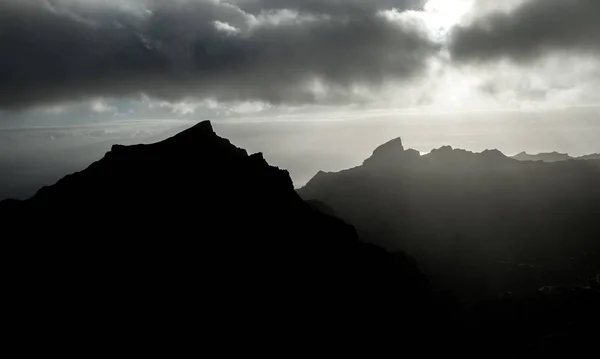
<point>481,218</point>
<point>545,157</point>
<point>593,156</point>
<point>553,157</point>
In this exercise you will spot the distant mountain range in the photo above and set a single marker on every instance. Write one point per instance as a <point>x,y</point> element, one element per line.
<point>553,157</point>
<point>483,222</point>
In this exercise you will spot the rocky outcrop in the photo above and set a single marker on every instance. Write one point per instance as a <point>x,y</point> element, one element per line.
<point>392,154</point>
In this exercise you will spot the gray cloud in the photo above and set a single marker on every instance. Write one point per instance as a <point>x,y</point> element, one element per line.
<point>317,51</point>
<point>530,31</point>
<point>335,7</point>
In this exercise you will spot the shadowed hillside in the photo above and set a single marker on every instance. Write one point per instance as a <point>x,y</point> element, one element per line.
<point>478,222</point>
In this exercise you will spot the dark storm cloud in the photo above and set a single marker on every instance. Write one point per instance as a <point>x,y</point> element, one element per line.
<point>66,50</point>
<point>534,29</point>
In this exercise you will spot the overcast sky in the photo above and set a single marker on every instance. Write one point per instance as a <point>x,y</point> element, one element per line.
<point>393,64</point>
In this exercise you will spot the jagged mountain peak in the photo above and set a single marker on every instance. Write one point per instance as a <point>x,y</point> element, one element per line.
<point>181,165</point>
<point>448,154</point>
<point>390,153</point>
<point>197,140</point>
<point>445,149</point>
<point>202,129</point>
<point>494,153</point>
<point>394,145</point>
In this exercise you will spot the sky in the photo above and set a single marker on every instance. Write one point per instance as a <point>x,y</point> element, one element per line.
<point>314,84</point>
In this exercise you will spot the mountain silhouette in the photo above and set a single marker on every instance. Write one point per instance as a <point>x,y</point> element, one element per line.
<point>479,223</point>
<point>191,234</point>
<point>593,156</point>
<point>544,157</point>
<point>391,153</point>
<point>192,244</point>
<point>553,157</point>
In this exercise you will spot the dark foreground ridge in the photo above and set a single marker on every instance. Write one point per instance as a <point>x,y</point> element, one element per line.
<point>191,239</point>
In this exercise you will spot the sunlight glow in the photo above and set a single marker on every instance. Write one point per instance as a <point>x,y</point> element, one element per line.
<point>443,14</point>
